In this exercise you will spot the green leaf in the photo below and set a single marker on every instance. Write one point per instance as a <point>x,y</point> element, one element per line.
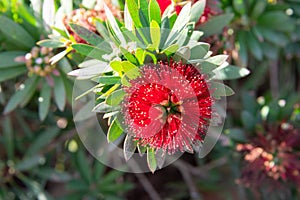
<point>129,56</point>
<point>274,37</point>
<point>217,60</point>
<point>143,6</point>
<point>104,108</point>
<point>220,90</point>
<point>154,11</point>
<point>276,20</point>
<point>115,98</point>
<point>87,35</point>
<point>102,30</point>
<point>239,6</point>
<point>155,34</point>
<point>171,49</point>
<point>115,131</point>
<point>59,92</point>
<point>242,47</point>
<point>29,163</point>
<point>197,10</point>
<point>258,8</point>
<point>129,147</point>
<point>15,32</point>
<point>51,43</point>
<point>236,134</point>
<point>116,66</point>
<point>8,137</point>
<point>83,166</point>
<point>141,149</point>
<point>248,120</point>
<point>131,71</point>
<point>231,72</point>
<point>12,72</point>
<point>108,80</point>
<point>44,101</point>
<point>254,46</point>
<point>134,12</point>
<point>114,25</point>
<point>215,24</point>
<point>42,140</point>
<point>19,96</point>
<point>199,51</point>
<point>60,56</point>
<point>89,51</point>
<point>151,159</point>
<point>7,59</point>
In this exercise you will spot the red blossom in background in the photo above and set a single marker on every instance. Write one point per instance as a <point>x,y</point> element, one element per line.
<point>86,18</point>
<point>210,8</point>
<point>273,158</point>
<point>168,107</point>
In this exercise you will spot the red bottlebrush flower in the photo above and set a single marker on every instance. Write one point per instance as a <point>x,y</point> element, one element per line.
<point>163,4</point>
<point>210,8</point>
<point>273,159</point>
<point>168,107</point>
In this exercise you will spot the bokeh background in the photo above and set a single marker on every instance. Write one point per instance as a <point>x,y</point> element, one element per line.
<point>256,157</point>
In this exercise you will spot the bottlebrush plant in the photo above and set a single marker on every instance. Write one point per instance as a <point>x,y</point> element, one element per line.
<point>155,82</point>
<point>29,64</point>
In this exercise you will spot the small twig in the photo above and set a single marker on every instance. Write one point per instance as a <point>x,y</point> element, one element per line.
<point>144,181</point>
<point>183,168</point>
<point>147,186</point>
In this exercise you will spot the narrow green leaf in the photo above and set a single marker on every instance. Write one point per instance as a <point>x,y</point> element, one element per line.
<point>15,32</point>
<point>254,46</point>
<point>116,66</point>
<point>108,80</point>
<point>42,140</point>
<point>115,131</point>
<point>171,49</point>
<point>155,34</point>
<point>44,101</point>
<point>199,51</point>
<point>87,35</point>
<point>242,47</point>
<point>154,11</point>
<point>29,163</point>
<point>197,10</point>
<point>114,25</point>
<point>102,30</point>
<point>104,108</point>
<point>220,90</point>
<point>115,97</point>
<point>60,56</point>
<point>12,72</point>
<point>89,51</point>
<point>59,92</point>
<point>217,60</point>
<point>151,159</point>
<point>134,12</point>
<point>231,72</point>
<point>51,43</point>
<point>258,9</point>
<point>8,58</point>
<point>129,147</point>
<point>8,137</point>
<point>83,167</point>
<point>215,24</point>
<point>19,96</point>
<point>129,56</point>
<point>239,6</point>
